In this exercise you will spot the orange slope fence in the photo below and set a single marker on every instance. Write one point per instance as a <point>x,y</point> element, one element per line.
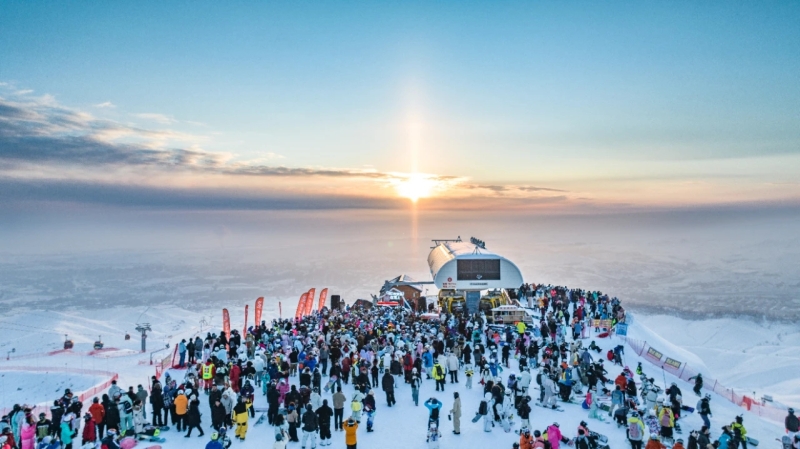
<point>83,396</point>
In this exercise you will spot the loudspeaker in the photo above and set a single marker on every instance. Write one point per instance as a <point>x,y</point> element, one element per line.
<point>335,302</point>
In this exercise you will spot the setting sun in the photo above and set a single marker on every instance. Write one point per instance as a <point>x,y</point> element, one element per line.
<point>415,186</point>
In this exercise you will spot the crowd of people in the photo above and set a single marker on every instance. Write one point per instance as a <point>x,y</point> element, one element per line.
<point>330,372</point>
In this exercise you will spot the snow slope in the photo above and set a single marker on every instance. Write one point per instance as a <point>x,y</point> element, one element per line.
<point>750,356</point>
<point>403,426</point>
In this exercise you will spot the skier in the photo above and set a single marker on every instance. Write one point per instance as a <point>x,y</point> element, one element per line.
<point>193,417</point>
<point>698,383</point>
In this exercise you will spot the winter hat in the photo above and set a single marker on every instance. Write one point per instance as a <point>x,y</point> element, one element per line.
<point>192,397</point>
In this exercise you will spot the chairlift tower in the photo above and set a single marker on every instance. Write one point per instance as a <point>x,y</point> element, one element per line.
<point>143,328</point>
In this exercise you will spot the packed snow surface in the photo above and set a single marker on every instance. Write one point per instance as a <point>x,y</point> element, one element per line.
<point>402,426</point>
<point>32,387</point>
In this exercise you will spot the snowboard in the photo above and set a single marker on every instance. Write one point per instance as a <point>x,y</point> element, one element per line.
<point>477,417</point>
<point>153,447</point>
<point>686,408</point>
<point>785,440</point>
<point>261,419</point>
<point>330,383</point>
<point>557,409</point>
<point>602,439</point>
<point>157,440</point>
<point>751,441</point>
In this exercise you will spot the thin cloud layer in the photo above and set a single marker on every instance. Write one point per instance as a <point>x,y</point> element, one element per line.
<point>53,153</point>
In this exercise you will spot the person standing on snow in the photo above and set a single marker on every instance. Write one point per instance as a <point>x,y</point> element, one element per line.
<point>635,432</point>
<point>791,423</point>
<point>350,428</point>
<point>310,426</point>
<point>438,375</point>
<point>704,410</point>
<point>193,417</point>
<point>324,414</point>
<point>387,383</point>
<point>739,433</point>
<point>455,414</point>
<point>433,405</point>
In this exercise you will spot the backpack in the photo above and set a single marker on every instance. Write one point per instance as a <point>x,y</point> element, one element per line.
<point>634,431</point>
<point>483,408</point>
<point>439,371</point>
<point>127,407</point>
<point>435,413</point>
<point>665,418</point>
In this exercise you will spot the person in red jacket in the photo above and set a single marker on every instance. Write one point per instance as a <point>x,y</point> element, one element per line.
<point>89,430</point>
<point>235,373</point>
<point>98,413</point>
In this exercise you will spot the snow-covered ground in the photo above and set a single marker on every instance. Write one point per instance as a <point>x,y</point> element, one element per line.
<point>32,387</point>
<point>748,355</point>
<point>402,426</point>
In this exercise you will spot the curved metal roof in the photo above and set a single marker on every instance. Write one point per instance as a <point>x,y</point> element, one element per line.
<point>444,271</point>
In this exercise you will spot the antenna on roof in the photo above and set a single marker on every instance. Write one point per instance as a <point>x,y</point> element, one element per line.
<point>437,242</point>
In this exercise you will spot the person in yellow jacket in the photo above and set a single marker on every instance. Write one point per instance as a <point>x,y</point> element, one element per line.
<point>667,421</point>
<point>739,432</point>
<point>207,373</point>
<point>350,427</point>
<point>241,415</point>
<point>438,375</point>
<point>521,328</point>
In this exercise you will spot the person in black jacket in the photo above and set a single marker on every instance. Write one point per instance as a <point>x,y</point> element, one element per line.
<point>157,402</point>
<point>310,426</point>
<point>791,422</point>
<point>273,399</point>
<point>193,417</point>
<point>388,386</point>
<point>305,378</point>
<point>324,414</point>
<point>56,411</point>
<point>112,413</point>
<point>293,396</point>
<point>218,415</point>
<point>369,408</point>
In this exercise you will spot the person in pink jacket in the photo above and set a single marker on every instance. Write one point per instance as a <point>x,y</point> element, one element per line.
<point>28,436</point>
<point>554,436</point>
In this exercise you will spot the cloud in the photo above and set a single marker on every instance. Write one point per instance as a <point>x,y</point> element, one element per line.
<point>105,105</point>
<point>18,192</point>
<point>56,152</point>
<point>155,117</point>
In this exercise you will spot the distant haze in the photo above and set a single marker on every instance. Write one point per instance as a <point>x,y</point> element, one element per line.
<point>693,263</point>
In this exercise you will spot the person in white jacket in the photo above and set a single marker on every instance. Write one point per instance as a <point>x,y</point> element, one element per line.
<point>524,382</point>
<point>280,442</point>
<point>452,367</point>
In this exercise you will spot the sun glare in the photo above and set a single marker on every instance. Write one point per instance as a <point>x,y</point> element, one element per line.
<point>415,186</point>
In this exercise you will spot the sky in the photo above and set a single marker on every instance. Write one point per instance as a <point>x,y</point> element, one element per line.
<point>462,106</point>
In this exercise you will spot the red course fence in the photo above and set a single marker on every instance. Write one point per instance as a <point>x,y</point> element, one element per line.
<point>83,396</point>
<point>683,371</point>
